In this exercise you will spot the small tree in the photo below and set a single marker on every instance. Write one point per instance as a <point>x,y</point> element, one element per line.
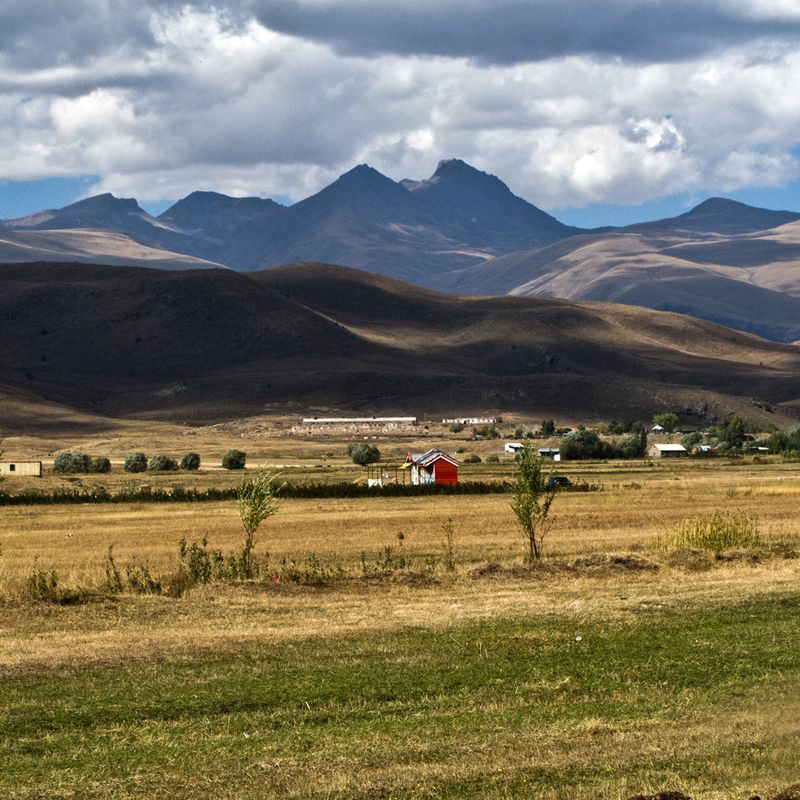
<point>162,463</point>
<point>668,421</point>
<point>190,461</point>
<point>234,459</point>
<point>135,462</point>
<point>548,427</point>
<point>533,496</point>
<point>364,454</point>
<point>456,427</point>
<point>257,501</point>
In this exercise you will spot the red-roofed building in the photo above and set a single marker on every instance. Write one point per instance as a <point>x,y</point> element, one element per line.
<point>433,466</point>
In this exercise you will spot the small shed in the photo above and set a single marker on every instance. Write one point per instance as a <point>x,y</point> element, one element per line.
<point>26,468</point>
<point>513,447</point>
<point>432,466</point>
<point>667,451</point>
<point>549,452</point>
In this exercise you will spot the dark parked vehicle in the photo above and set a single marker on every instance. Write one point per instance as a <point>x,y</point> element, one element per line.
<point>559,481</point>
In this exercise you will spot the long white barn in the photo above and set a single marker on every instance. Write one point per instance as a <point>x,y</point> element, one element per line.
<point>366,421</point>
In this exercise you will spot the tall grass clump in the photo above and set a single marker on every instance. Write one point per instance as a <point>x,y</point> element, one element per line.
<point>717,532</point>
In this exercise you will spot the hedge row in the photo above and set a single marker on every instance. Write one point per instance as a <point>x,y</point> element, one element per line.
<point>179,494</point>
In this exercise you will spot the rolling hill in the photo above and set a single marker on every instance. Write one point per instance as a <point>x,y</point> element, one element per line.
<point>216,344</point>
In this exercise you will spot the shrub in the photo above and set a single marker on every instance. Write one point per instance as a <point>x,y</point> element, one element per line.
<point>71,463</point>
<point>161,463</point>
<point>135,462</point>
<point>234,459</point>
<point>473,459</point>
<point>190,461</point>
<point>364,454</point>
<point>492,459</point>
<point>100,464</point>
<point>548,427</point>
<point>486,432</point>
<point>456,427</point>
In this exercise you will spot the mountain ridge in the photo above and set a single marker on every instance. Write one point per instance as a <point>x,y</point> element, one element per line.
<point>460,230</point>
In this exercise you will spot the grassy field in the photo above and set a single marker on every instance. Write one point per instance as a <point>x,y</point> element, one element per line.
<point>615,667</point>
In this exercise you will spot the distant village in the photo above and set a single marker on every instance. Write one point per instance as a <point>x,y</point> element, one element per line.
<point>441,466</point>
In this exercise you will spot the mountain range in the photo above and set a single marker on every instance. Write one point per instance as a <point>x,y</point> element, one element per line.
<point>203,345</point>
<point>461,231</point>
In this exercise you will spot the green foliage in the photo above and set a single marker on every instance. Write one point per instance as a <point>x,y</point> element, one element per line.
<point>583,444</point>
<point>548,427</point>
<point>455,427</point>
<point>633,446</point>
<point>63,495</point>
<point>492,459</point>
<point>100,464</point>
<point>72,463</point>
<point>190,461</point>
<point>720,531</point>
<point>533,496</point>
<point>135,462</point>
<point>77,462</point>
<point>691,439</point>
<point>234,459</point>
<point>162,463</point>
<point>784,441</point>
<point>472,459</point>
<point>488,431</point>
<point>257,501</point>
<point>731,434</point>
<point>668,421</point>
<point>363,454</point>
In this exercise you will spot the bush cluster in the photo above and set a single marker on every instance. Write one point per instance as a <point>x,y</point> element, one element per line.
<point>78,462</point>
<point>583,444</point>
<point>138,462</point>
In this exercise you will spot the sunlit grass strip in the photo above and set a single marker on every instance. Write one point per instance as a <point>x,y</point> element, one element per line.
<point>717,532</point>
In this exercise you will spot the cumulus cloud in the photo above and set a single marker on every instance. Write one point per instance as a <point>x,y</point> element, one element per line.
<point>569,103</point>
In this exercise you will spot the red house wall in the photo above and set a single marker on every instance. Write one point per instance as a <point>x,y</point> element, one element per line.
<point>445,472</point>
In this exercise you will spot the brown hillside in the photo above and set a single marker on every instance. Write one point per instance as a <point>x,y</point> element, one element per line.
<point>749,281</point>
<point>215,344</point>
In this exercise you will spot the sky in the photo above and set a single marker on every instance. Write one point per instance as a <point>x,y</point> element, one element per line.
<point>599,111</point>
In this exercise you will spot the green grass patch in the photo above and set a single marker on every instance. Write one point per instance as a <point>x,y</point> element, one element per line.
<point>532,706</point>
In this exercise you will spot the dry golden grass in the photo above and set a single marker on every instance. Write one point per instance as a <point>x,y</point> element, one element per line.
<point>627,515</point>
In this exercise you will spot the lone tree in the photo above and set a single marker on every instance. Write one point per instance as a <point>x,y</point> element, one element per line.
<point>533,496</point>
<point>257,501</point>
<point>364,454</point>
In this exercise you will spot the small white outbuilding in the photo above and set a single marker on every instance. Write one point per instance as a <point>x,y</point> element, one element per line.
<point>26,468</point>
